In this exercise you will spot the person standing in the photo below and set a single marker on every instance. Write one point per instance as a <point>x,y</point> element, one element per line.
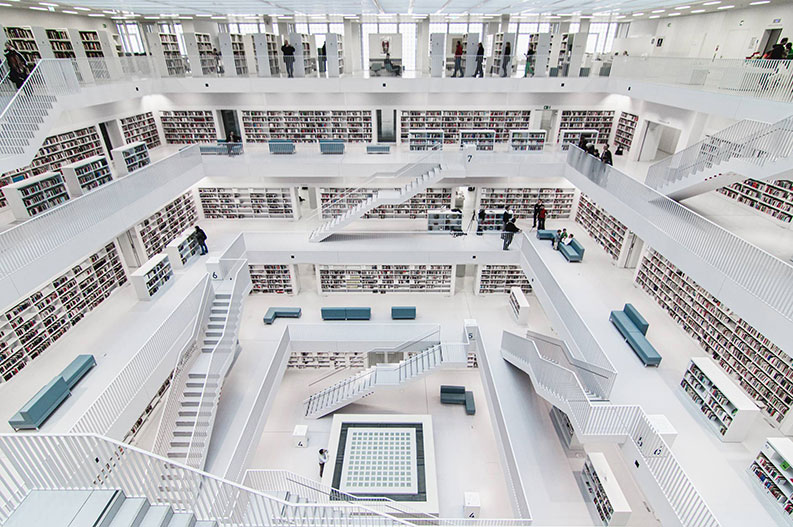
<point>17,67</point>
<point>536,212</point>
<point>323,58</point>
<point>529,72</point>
<point>778,50</point>
<point>509,232</point>
<point>557,237</point>
<point>289,58</point>
<point>508,214</point>
<point>458,59</point>
<point>201,238</point>
<point>480,57</point>
<point>323,458</point>
<point>505,60</point>
<point>481,222</point>
<point>541,218</point>
<point>606,156</point>
<point>218,62</point>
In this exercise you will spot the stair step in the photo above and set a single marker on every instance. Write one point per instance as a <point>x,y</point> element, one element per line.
<point>206,523</point>
<point>182,519</point>
<point>157,516</point>
<point>131,513</point>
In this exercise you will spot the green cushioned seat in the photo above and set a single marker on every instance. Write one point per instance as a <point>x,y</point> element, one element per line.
<point>281,146</point>
<point>470,407</point>
<point>359,313</point>
<point>281,312</point>
<point>622,322</point>
<point>331,146</point>
<point>573,251</point>
<point>636,318</point>
<point>41,405</point>
<point>334,313</point>
<point>77,369</point>
<point>378,149</point>
<point>545,234</point>
<point>403,312</point>
<point>445,388</point>
<point>635,338</point>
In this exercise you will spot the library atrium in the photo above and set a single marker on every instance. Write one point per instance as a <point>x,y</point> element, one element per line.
<point>396,264</point>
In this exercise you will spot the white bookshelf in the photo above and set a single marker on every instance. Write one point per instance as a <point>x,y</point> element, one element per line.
<point>91,44</point>
<point>165,225</point>
<point>188,126</point>
<point>626,128</point>
<point>484,140</point>
<point>527,140</point>
<point>265,50</point>
<point>494,220</point>
<point>150,277</point>
<point>130,157</point>
<point>772,198</point>
<point>174,62</point>
<point>337,200</point>
<point>444,220</point>
<point>56,151</point>
<point>36,194</point>
<point>335,54</point>
<point>564,429</point>
<point>182,249</point>
<point>763,370</point>
<point>86,175</point>
<point>500,279</point>
<point>452,121</point>
<point>726,407</point>
<point>37,321</point>
<point>249,202</point>
<point>573,137</point>
<point>771,471</point>
<point>385,278</point>
<point>519,305</point>
<point>24,41</point>
<point>204,52</point>
<point>60,43</point>
<point>610,233</point>
<point>327,359</point>
<point>604,491</point>
<point>307,126</point>
<point>425,139</point>
<point>601,121</point>
<point>305,59</point>
<point>238,49</point>
<point>278,279</point>
<point>558,201</point>
<point>141,127</point>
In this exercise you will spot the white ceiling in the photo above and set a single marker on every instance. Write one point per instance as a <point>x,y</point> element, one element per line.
<point>631,8</point>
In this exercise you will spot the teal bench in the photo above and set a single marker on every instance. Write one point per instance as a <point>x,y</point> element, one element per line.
<point>346,313</point>
<point>281,312</point>
<point>545,234</point>
<point>221,149</point>
<point>573,251</point>
<point>334,313</point>
<point>378,149</point>
<point>458,395</point>
<point>331,146</point>
<point>281,146</point>
<point>403,312</point>
<point>633,329</point>
<point>46,401</point>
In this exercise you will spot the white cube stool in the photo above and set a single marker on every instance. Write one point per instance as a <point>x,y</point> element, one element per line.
<point>300,436</point>
<point>472,505</point>
<point>663,427</point>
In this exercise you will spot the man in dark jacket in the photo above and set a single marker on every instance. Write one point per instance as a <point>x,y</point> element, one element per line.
<point>18,69</point>
<point>458,59</point>
<point>201,238</point>
<point>778,50</point>
<point>480,57</point>
<point>541,218</point>
<point>289,58</point>
<point>481,221</point>
<point>508,214</point>
<point>537,207</point>
<point>606,156</point>
<point>509,232</point>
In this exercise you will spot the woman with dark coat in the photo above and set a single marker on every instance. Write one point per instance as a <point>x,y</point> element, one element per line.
<point>18,68</point>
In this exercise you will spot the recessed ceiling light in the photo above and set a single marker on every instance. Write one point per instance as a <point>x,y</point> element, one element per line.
<point>761,2</point>
<point>725,7</point>
<point>96,15</point>
<point>659,11</point>
<point>81,9</point>
<point>698,11</point>
<point>151,17</point>
<point>712,2</point>
<point>69,12</point>
<point>110,12</point>
<point>638,14</point>
<point>675,14</point>
<point>619,17</point>
<point>218,18</point>
<point>48,4</point>
<point>656,16</point>
<point>37,8</point>
<point>4,5</point>
<point>683,7</point>
<point>204,15</point>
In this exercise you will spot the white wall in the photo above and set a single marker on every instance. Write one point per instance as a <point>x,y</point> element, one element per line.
<point>733,33</point>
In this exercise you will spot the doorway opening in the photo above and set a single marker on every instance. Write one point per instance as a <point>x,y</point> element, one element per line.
<point>658,141</point>
<point>386,126</point>
<point>230,123</point>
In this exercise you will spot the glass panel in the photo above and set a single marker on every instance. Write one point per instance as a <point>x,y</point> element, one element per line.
<point>301,28</point>
<point>318,29</point>
<point>458,28</point>
<point>512,27</point>
<point>408,32</point>
<point>336,28</point>
<point>438,27</point>
<point>388,28</point>
<point>366,30</point>
<point>475,28</point>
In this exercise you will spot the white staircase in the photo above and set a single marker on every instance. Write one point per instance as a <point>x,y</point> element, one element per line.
<point>382,197</point>
<point>747,149</point>
<point>363,384</point>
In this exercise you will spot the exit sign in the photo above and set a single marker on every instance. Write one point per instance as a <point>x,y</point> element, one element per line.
<point>777,21</point>
<point>546,107</point>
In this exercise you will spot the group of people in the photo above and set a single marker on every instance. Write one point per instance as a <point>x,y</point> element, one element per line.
<point>782,50</point>
<point>509,228</point>
<point>506,57</point>
<point>592,150</point>
<point>561,237</point>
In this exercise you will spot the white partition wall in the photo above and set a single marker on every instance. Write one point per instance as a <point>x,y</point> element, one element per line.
<point>437,54</point>
<point>335,54</point>
<point>226,49</point>
<point>542,55</point>
<point>471,44</point>
<point>265,50</point>
<point>112,61</point>
<point>576,47</point>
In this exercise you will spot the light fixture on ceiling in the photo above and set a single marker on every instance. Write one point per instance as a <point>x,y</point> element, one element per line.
<point>80,8</point>
<point>151,17</point>
<point>48,4</point>
<point>67,12</point>
<point>655,16</point>
<point>659,11</point>
<point>638,14</point>
<point>683,7</point>
<point>4,5</point>
<point>712,2</point>
<point>218,18</point>
<point>204,15</point>
<point>110,12</point>
<point>675,14</point>
<point>37,8</point>
<point>725,7</point>
<point>761,2</point>
<point>696,11</point>
<point>96,15</point>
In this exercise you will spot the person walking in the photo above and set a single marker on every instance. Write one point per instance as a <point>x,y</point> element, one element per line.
<point>458,59</point>
<point>17,67</point>
<point>218,62</point>
<point>606,156</point>
<point>481,221</point>
<point>529,72</point>
<point>536,212</point>
<point>289,58</point>
<point>323,458</point>
<point>509,232</point>
<point>480,57</point>
<point>201,238</point>
<point>541,218</point>
<point>508,214</point>
<point>323,59</point>
<point>505,60</point>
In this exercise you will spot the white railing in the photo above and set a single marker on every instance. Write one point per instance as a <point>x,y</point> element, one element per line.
<point>605,421</point>
<point>83,461</point>
<point>758,78</point>
<point>59,226</point>
<point>593,365</point>
<point>221,359</point>
<point>34,100</point>
<point>169,339</point>
<point>752,142</point>
<point>179,375</point>
<point>758,273</point>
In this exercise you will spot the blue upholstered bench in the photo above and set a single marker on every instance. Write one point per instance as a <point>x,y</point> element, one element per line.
<point>282,312</point>
<point>221,149</point>
<point>331,146</point>
<point>40,407</point>
<point>573,251</point>
<point>334,313</point>
<point>346,313</point>
<point>458,395</point>
<point>281,146</point>
<point>545,234</point>
<point>378,149</point>
<point>77,369</point>
<point>633,328</point>
<point>403,312</point>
